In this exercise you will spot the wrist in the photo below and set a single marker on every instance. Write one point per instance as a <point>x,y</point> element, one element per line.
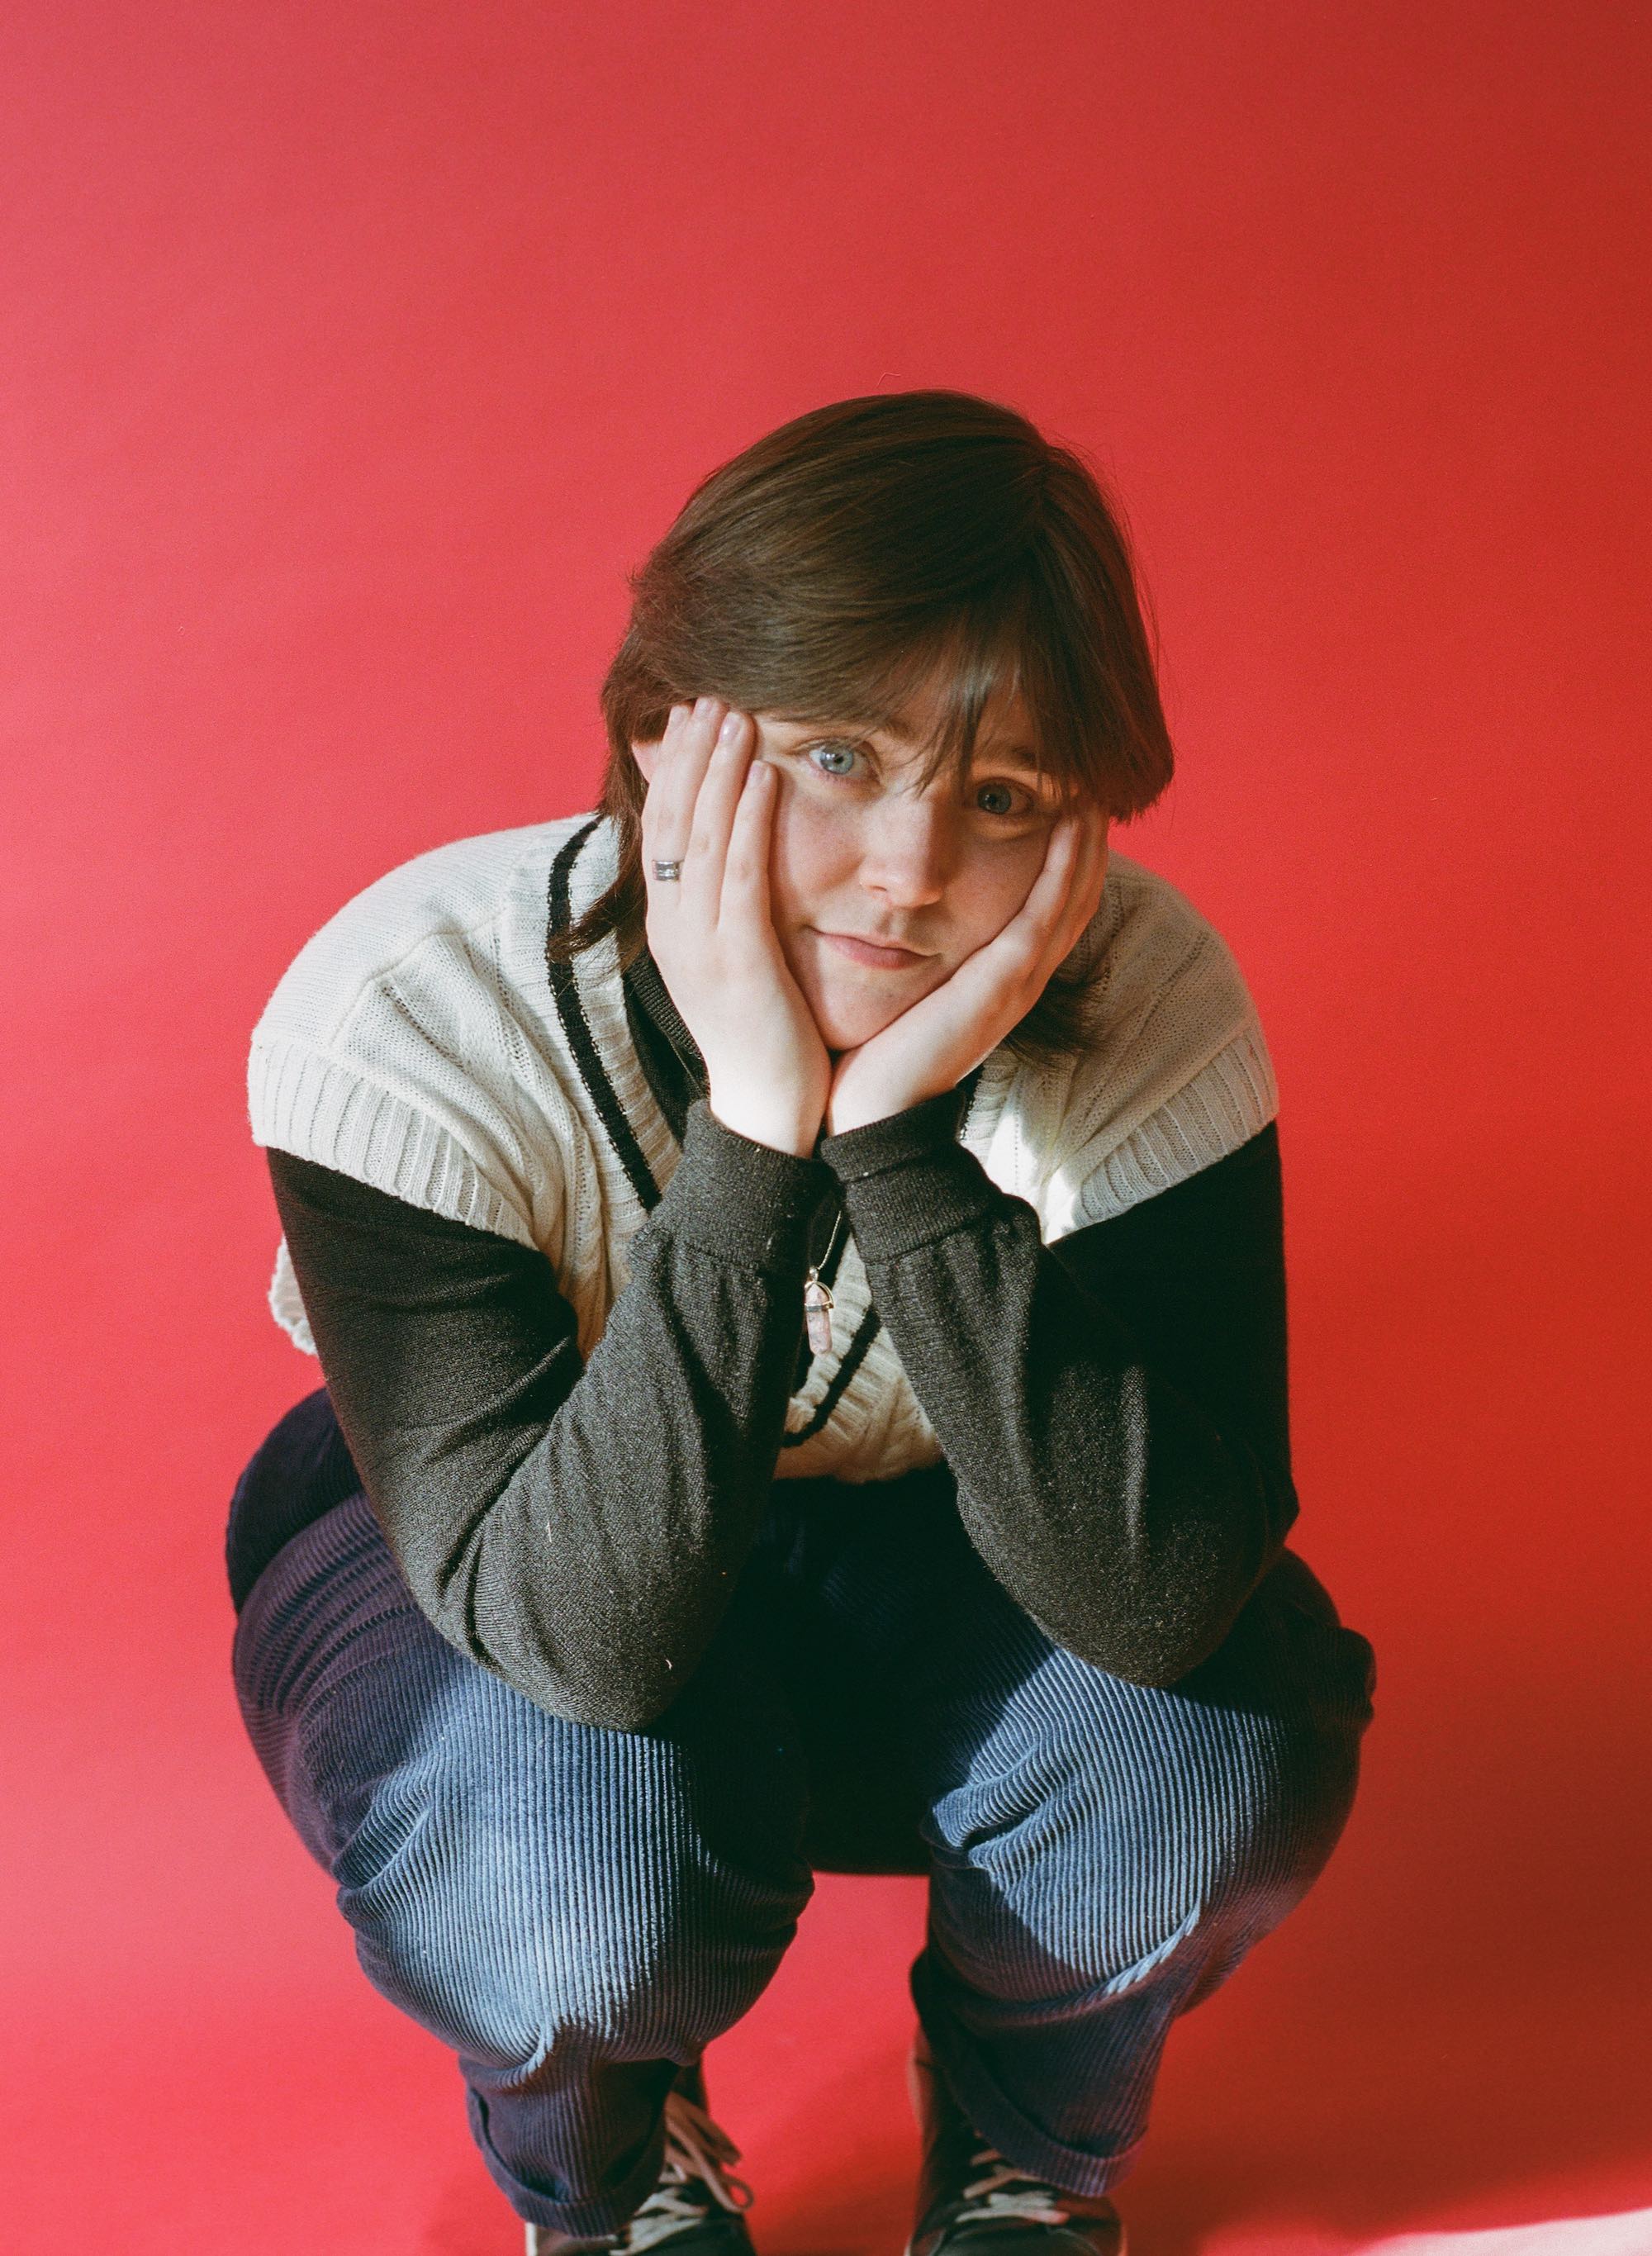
<point>863,1109</point>
<point>927,1128</point>
<point>776,1131</point>
<point>906,1181</point>
<point>740,1199</point>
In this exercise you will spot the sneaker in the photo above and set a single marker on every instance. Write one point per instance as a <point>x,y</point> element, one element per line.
<point>695,2206</point>
<point>971,2202</point>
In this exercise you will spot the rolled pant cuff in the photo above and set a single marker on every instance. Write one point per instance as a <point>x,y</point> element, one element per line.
<point>996,2118</point>
<point>583,2219</point>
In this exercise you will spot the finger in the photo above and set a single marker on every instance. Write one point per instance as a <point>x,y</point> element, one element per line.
<point>1091,881</point>
<point>1052,888</point>
<point>1089,836</point>
<point>746,878</point>
<point>1086,875</point>
<point>669,808</point>
<point>1100,856</point>
<point>1016,953</point>
<point>657,794</point>
<point>714,808</point>
<point>1042,933</point>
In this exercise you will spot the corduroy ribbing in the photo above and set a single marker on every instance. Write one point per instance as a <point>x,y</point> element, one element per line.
<point>576,1911</point>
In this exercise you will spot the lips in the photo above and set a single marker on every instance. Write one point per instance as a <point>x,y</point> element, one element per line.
<point>878,955</point>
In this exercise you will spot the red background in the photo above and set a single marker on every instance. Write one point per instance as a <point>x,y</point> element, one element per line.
<point>355,352</point>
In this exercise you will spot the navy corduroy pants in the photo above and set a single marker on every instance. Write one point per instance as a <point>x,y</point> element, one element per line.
<point>578,1912</point>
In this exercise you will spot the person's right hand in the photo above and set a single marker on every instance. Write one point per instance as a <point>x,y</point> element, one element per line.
<point>710,806</point>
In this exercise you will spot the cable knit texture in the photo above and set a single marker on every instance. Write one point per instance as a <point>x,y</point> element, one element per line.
<point>416,1045</point>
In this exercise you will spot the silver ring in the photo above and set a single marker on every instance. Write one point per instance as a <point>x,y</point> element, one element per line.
<point>667,869</point>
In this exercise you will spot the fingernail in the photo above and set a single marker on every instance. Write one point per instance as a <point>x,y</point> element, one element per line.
<point>730,728</point>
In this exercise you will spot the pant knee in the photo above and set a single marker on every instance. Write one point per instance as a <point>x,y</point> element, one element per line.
<point>1130,1847</point>
<point>508,1932</point>
<point>1256,1753</point>
<point>1286,1792</point>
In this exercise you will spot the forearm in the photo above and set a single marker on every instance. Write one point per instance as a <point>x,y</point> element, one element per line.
<point>598,1573</point>
<point>1106,1498</point>
<point>578,1530</point>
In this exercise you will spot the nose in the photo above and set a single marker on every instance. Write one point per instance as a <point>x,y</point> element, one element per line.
<point>907,850</point>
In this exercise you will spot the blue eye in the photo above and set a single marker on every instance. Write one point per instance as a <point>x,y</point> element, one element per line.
<point>1015,803</point>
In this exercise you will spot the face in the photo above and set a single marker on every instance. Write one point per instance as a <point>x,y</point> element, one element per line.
<point>879,888</point>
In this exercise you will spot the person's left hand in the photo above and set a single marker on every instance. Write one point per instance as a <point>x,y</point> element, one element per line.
<point>930,1047</point>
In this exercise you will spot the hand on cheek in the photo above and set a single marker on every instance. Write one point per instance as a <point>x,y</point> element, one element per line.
<point>707,818</point>
<point>930,1047</point>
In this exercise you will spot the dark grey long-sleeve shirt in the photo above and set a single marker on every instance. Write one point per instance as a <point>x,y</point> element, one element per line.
<point>1113,1407</point>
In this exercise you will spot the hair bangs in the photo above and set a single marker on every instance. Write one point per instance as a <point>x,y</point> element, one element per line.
<point>972,668</point>
<point>925,565</point>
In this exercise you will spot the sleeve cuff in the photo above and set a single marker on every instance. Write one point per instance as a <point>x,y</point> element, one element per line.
<point>906,1181</point>
<point>743,1201</point>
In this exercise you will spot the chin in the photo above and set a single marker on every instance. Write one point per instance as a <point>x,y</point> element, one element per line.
<point>847,1025</point>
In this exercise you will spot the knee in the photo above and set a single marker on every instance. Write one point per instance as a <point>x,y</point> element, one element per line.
<point>1251,1761</point>
<point>1242,1800</point>
<point>1276,1722</point>
<point>1153,1844</point>
<point>505,1919</point>
<point>1280,1794</point>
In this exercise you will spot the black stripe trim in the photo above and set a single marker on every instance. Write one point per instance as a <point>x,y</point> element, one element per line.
<point>570,1009</point>
<point>854,1356</point>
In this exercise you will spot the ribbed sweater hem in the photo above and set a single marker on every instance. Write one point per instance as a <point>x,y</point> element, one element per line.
<point>1225,1104</point>
<point>330,1110</point>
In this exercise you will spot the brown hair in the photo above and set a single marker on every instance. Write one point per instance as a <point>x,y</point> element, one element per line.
<point>859,553</point>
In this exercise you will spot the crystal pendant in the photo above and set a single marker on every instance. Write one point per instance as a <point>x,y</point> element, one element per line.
<point>817,1313</point>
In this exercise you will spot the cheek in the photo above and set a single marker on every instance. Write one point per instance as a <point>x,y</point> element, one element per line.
<point>814,862</point>
<point>810,850</point>
<point>992,884</point>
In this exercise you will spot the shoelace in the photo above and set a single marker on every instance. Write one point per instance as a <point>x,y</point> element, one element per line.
<point>696,2149</point>
<point>1007,2192</point>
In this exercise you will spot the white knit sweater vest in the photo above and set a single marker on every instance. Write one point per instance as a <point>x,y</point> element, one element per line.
<point>417,1043</point>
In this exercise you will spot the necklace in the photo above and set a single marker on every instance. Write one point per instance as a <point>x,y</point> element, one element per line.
<point>817,1300</point>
